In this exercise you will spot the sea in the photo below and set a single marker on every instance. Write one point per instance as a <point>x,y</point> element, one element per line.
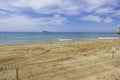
<point>47,37</point>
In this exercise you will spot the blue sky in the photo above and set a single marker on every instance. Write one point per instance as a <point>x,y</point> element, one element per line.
<point>59,15</point>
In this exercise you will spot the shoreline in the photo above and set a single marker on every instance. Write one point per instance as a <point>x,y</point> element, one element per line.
<point>101,39</point>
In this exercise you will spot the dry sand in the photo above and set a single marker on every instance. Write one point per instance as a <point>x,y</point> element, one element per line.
<point>84,60</point>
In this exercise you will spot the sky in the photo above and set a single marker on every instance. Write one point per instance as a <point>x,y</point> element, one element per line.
<point>59,15</point>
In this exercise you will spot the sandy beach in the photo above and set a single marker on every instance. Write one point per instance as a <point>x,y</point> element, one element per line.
<point>82,60</point>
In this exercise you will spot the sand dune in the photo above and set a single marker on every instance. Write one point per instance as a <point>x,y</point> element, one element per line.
<point>84,60</point>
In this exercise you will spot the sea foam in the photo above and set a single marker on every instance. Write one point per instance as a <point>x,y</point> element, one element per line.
<point>108,38</point>
<point>64,40</point>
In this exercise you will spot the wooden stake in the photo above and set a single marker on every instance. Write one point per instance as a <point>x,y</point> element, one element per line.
<point>113,55</point>
<point>17,76</point>
<point>113,52</point>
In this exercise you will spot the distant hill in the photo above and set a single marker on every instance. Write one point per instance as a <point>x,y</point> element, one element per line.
<point>45,31</point>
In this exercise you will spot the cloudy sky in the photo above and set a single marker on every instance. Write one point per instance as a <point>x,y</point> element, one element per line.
<point>59,15</point>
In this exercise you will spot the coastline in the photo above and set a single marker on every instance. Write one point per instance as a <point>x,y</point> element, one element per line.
<point>74,60</point>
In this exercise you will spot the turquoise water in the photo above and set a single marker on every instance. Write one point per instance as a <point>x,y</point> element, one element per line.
<point>39,37</point>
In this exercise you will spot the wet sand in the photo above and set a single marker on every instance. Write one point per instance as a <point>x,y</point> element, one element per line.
<point>82,60</point>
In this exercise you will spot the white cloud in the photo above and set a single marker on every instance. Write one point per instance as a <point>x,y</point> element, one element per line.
<point>93,18</point>
<point>57,19</point>
<point>104,10</point>
<point>34,4</point>
<point>98,19</point>
<point>93,5</point>
<point>107,20</point>
<point>3,13</point>
<point>16,20</point>
<point>44,6</point>
<point>117,13</point>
